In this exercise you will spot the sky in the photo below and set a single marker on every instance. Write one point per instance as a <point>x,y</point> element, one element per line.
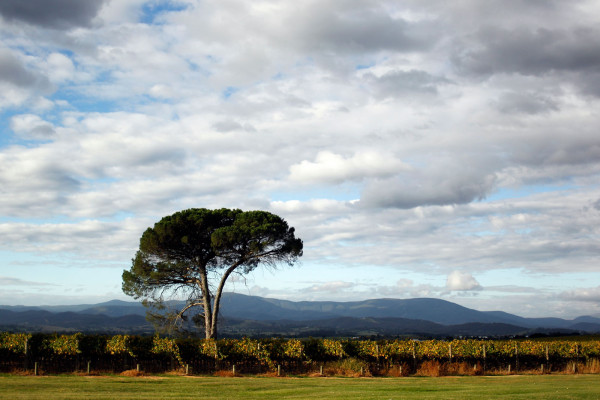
<point>420,148</point>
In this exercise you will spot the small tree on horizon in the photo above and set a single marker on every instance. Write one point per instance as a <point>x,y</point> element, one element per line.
<point>193,252</point>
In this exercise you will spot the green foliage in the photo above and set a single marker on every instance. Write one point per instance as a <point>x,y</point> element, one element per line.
<point>208,348</point>
<point>179,245</point>
<point>174,249</point>
<point>67,345</point>
<point>329,348</point>
<point>293,349</point>
<point>187,253</point>
<point>250,349</point>
<point>269,351</point>
<point>166,346</point>
<point>119,344</point>
<point>14,342</point>
<point>367,349</point>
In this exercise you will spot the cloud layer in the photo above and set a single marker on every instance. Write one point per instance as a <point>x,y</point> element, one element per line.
<point>420,138</point>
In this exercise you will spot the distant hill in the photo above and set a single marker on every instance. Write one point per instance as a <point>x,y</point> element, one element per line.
<point>259,316</point>
<point>65,322</point>
<point>365,327</point>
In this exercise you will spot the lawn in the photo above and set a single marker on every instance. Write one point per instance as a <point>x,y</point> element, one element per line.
<point>180,387</point>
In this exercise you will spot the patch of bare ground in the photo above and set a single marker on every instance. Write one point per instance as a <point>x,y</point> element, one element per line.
<point>226,374</point>
<point>133,372</point>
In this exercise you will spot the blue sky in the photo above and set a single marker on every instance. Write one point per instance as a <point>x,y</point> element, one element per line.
<point>420,149</point>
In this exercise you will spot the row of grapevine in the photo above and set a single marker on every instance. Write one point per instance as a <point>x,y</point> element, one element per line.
<point>271,352</point>
<point>264,349</point>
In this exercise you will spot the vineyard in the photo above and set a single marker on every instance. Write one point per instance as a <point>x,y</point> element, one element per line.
<point>44,353</point>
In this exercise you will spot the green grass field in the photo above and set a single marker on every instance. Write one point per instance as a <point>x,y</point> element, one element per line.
<point>179,387</point>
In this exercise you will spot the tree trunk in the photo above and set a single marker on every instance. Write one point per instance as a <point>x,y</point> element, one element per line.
<point>215,316</point>
<point>210,333</point>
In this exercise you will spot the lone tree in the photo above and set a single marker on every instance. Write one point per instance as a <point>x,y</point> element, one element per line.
<point>191,254</point>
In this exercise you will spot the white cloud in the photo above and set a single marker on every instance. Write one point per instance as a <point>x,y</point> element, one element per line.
<point>461,281</point>
<point>14,71</point>
<point>406,288</point>
<point>60,67</point>
<point>330,287</point>
<point>329,167</point>
<point>19,81</point>
<point>8,281</point>
<point>582,294</point>
<point>30,126</point>
<point>416,190</point>
<point>315,206</point>
<point>162,91</point>
<point>111,240</point>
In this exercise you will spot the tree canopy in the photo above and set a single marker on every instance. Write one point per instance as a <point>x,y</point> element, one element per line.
<point>192,253</point>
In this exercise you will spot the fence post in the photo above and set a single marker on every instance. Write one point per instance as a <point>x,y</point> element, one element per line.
<point>216,356</point>
<point>35,368</point>
<point>233,369</point>
<point>278,370</point>
<point>450,351</point>
<point>484,359</point>
<point>414,354</point>
<point>25,361</point>
<point>88,367</point>
<point>516,357</point>
<point>321,370</point>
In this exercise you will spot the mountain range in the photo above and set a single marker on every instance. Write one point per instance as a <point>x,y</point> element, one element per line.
<point>258,316</point>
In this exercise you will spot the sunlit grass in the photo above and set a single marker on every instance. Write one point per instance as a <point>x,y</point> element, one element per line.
<point>180,387</point>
